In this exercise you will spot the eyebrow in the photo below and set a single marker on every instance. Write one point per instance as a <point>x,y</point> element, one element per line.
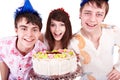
<point>87,11</point>
<point>91,11</point>
<point>27,26</point>
<point>22,26</point>
<point>101,12</point>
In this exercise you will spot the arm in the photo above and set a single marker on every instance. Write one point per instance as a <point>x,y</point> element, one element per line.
<point>4,70</point>
<point>117,43</point>
<point>115,73</point>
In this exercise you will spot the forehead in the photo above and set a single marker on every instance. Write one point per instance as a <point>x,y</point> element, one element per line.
<point>24,21</point>
<point>93,8</point>
<point>56,21</point>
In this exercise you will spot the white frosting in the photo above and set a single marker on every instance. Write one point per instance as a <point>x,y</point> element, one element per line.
<point>55,66</point>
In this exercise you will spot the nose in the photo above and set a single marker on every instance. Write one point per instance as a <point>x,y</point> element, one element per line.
<point>29,33</point>
<point>93,18</point>
<point>57,28</point>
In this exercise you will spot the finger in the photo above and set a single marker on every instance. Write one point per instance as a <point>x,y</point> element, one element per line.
<point>115,76</point>
<point>112,76</point>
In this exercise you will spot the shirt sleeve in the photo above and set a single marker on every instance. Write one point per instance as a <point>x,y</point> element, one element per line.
<point>74,46</point>
<point>116,31</point>
<point>1,59</point>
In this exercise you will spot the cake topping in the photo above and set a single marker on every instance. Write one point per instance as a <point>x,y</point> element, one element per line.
<point>61,53</point>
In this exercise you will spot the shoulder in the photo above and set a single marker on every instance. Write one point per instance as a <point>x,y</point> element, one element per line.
<point>77,39</point>
<point>107,26</point>
<point>77,36</point>
<point>77,42</point>
<point>41,38</point>
<point>111,28</point>
<point>7,40</point>
<point>40,44</point>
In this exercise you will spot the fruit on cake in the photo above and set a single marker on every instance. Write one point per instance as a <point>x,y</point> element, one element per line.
<point>56,62</point>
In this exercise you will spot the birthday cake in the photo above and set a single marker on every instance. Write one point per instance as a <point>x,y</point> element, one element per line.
<point>55,64</point>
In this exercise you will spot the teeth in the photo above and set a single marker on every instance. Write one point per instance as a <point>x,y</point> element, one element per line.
<point>90,25</point>
<point>28,40</point>
<point>58,34</point>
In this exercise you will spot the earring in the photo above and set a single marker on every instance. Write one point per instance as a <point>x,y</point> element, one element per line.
<point>79,17</point>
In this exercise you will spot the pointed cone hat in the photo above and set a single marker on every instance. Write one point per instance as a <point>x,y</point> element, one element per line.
<point>26,8</point>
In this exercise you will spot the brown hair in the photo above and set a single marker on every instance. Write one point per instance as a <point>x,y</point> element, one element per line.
<point>98,3</point>
<point>59,15</point>
<point>33,18</point>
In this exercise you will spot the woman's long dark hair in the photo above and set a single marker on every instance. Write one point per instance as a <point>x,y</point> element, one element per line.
<point>59,15</point>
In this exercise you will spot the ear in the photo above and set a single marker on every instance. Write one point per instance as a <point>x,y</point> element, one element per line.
<point>16,30</point>
<point>103,20</point>
<point>79,16</point>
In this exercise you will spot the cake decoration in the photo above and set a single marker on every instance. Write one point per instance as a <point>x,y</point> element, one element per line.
<point>61,53</point>
<point>55,65</point>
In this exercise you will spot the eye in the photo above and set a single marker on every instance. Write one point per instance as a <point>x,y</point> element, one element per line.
<point>23,28</point>
<point>62,24</point>
<point>36,29</point>
<point>87,13</point>
<point>52,25</point>
<point>99,15</point>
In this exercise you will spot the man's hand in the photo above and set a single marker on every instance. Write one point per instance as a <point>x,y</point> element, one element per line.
<point>114,75</point>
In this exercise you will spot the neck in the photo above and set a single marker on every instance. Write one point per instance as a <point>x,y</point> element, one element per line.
<point>91,35</point>
<point>22,49</point>
<point>58,45</point>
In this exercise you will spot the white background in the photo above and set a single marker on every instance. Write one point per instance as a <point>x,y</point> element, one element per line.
<point>8,7</point>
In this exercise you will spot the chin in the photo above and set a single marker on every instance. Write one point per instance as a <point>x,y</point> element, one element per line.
<point>58,39</point>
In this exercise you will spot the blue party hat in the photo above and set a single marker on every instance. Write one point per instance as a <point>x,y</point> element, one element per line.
<point>83,2</point>
<point>27,7</point>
